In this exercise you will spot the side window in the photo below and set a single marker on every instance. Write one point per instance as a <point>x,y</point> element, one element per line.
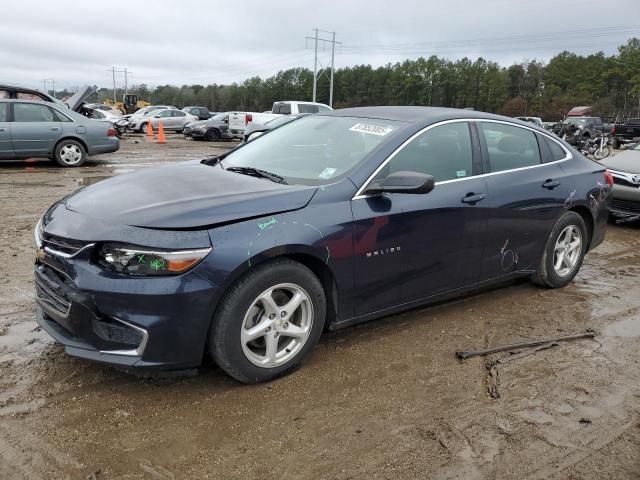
<point>32,112</point>
<point>4,94</point>
<point>443,151</point>
<point>557,152</point>
<point>510,147</point>
<point>306,108</point>
<point>165,114</point>
<point>178,113</point>
<point>284,109</point>
<point>3,112</point>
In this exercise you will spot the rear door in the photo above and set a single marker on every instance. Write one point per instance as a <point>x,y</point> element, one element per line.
<point>35,129</point>
<point>409,247</point>
<point>178,119</point>
<point>525,196</point>
<point>6,150</point>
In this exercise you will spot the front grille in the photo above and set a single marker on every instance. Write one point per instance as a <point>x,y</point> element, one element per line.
<point>49,294</point>
<point>623,181</point>
<point>62,245</point>
<point>113,331</point>
<point>625,205</point>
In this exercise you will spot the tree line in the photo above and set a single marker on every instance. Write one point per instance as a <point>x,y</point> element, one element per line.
<point>611,84</point>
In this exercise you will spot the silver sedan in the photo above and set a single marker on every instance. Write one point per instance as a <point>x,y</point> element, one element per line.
<point>39,129</point>
<point>171,119</point>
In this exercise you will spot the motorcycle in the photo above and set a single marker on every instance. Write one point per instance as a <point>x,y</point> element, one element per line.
<point>596,147</point>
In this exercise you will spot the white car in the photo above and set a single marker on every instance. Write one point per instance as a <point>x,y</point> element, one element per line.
<point>171,118</point>
<point>287,108</point>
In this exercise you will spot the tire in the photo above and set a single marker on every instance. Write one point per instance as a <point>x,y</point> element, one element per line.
<point>599,155</point>
<point>241,310</point>
<point>69,153</point>
<point>144,127</point>
<point>615,143</point>
<point>547,274</point>
<point>213,135</point>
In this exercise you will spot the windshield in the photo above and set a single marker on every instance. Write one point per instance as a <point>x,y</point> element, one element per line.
<point>314,150</point>
<point>574,121</point>
<point>636,147</point>
<point>219,117</point>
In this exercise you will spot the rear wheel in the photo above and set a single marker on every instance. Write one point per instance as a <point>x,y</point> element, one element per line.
<point>563,253</point>
<point>268,322</point>
<point>69,153</point>
<point>599,154</point>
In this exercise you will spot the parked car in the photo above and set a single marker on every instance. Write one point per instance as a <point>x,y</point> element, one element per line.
<point>136,119</point>
<point>75,103</point>
<point>47,130</point>
<point>213,129</point>
<point>537,121</point>
<point>111,109</point>
<point>287,108</point>
<point>625,168</point>
<point>627,132</point>
<point>254,130</point>
<point>328,221</point>
<point>201,112</point>
<point>581,129</point>
<point>171,119</point>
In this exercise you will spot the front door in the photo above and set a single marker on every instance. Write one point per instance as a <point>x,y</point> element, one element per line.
<point>409,246</point>
<point>6,150</point>
<point>35,129</point>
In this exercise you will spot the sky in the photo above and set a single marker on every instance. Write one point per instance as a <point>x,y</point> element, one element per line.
<point>169,42</point>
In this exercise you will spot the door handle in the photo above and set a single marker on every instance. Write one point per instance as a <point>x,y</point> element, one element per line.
<point>473,198</point>
<point>54,129</point>
<point>551,184</point>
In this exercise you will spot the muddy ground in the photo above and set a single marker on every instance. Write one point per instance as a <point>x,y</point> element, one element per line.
<point>387,399</point>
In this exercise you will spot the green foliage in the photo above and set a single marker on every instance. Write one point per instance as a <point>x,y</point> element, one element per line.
<point>610,84</point>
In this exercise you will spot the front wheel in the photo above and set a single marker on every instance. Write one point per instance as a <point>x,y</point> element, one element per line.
<point>144,128</point>
<point>213,135</point>
<point>601,153</point>
<point>564,252</point>
<point>268,322</point>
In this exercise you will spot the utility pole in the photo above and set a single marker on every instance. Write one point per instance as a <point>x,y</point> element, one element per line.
<point>113,72</point>
<point>125,82</point>
<point>316,38</point>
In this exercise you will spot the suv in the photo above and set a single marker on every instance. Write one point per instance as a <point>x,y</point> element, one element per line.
<point>201,112</point>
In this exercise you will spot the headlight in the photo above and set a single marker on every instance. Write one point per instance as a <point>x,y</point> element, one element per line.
<point>37,233</point>
<point>134,260</point>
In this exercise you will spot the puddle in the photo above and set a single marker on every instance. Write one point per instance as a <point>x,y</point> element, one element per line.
<point>627,327</point>
<point>91,180</point>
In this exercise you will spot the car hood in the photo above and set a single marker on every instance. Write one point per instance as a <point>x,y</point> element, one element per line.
<point>78,99</point>
<point>628,161</point>
<point>186,196</point>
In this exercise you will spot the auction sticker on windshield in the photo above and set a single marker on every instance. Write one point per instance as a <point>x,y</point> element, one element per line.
<point>327,173</point>
<point>371,129</point>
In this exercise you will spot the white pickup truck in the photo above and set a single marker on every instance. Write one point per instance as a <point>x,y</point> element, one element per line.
<point>286,108</point>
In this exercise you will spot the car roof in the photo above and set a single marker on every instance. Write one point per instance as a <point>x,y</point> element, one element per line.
<point>412,114</point>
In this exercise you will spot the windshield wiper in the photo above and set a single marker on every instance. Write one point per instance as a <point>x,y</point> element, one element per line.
<point>256,172</point>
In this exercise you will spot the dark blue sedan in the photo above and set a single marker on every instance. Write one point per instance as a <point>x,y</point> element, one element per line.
<point>328,221</point>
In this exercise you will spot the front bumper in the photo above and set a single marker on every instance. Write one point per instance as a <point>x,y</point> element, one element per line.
<point>160,322</point>
<point>626,199</point>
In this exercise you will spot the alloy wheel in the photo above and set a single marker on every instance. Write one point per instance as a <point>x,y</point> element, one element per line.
<point>70,154</point>
<point>277,325</point>
<point>567,251</point>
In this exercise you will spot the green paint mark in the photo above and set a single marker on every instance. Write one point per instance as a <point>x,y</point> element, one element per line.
<point>141,259</point>
<point>157,264</point>
<point>264,225</point>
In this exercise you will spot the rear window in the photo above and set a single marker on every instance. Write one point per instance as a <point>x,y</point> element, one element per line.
<point>4,94</point>
<point>3,112</point>
<point>510,147</point>
<point>283,108</point>
<point>29,96</point>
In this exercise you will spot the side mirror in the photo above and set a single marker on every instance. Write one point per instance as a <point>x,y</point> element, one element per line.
<point>404,182</point>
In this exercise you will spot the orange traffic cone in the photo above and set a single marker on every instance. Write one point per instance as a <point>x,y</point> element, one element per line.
<point>150,131</point>
<point>161,138</point>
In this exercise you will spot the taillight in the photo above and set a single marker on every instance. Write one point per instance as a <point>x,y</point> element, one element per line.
<point>613,130</point>
<point>111,132</point>
<point>248,118</point>
<point>608,176</point>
